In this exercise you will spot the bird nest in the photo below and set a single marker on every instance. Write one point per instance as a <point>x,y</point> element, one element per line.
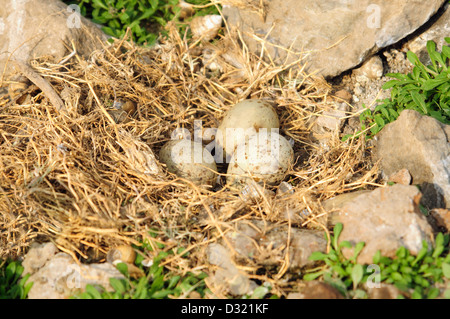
<point>87,176</point>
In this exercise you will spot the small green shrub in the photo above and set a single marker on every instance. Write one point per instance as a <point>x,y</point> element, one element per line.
<point>418,274</point>
<point>426,89</point>
<point>158,282</point>
<point>11,285</point>
<point>145,18</point>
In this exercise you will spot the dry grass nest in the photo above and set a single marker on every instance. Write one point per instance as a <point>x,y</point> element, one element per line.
<point>88,179</point>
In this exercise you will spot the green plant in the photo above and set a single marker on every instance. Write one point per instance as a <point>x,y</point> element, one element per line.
<point>426,90</point>
<point>11,285</point>
<point>339,271</point>
<point>158,282</point>
<point>145,18</point>
<point>418,274</point>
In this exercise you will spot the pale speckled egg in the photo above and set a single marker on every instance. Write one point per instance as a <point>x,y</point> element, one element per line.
<point>264,157</point>
<point>242,120</point>
<point>190,160</point>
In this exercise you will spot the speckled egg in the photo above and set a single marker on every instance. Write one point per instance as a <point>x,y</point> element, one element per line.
<point>190,160</point>
<point>264,157</point>
<point>242,120</point>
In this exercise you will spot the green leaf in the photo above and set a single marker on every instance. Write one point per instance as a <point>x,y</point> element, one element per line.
<point>422,253</point>
<point>420,101</point>
<point>10,271</point>
<point>154,3</point>
<point>377,257</point>
<point>359,246</point>
<point>432,83</point>
<point>173,281</point>
<point>401,252</point>
<point>433,293</point>
<point>157,284</point>
<point>161,294</point>
<point>338,269</point>
<point>439,240</point>
<point>337,231</point>
<point>379,120</point>
<point>357,274</point>
<point>345,244</point>
<point>396,276</point>
<point>447,294</point>
<point>123,269</point>
<point>313,276</point>
<point>416,295</point>
<point>412,57</point>
<point>26,289</point>
<point>117,285</point>
<point>446,270</point>
<point>431,48</point>
<point>390,84</point>
<point>386,113</point>
<point>109,31</point>
<point>99,4</point>
<point>317,255</point>
<point>93,292</point>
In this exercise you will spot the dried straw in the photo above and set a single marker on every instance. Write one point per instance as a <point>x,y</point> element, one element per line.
<point>88,181</point>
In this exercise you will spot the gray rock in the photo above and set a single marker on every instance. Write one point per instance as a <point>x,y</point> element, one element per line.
<point>439,219</point>
<point>56,275</point>
<point>384,291</point>
<point>372,69</point>
<point>385,219</point>
<point>437,32</point>
<point>333,117</point>
<point>336,35</point>
<point>421,145</point>
<point>37,256</point>
<point>227,277</point>
<point>334,204</point>
<point>265,243</point>
<point>34,28</point>
<point>316,290</point>
<point>401,177</point>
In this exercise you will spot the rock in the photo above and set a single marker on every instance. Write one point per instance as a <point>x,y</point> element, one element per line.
<point>343,95</point>
<point>329,122</point>
<point>37,256</point>
<point>316,290</point>
<point>333,118</point>
<point>265,243</point>
<point>385,219</point>
<point>372,69</point>
<point>421,145</point>
<point>437,32</point>
<point>334,204</point>
<point>401,177</point>
<point>55,275</point>
<point>34,28</point>
<point>227,277</point>
<point>336,35</point>
<point>439,219</point>
<point>383,291</point>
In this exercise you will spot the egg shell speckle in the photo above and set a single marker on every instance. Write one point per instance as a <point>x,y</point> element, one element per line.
<point>190,160</point>
<point>263,157</point>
